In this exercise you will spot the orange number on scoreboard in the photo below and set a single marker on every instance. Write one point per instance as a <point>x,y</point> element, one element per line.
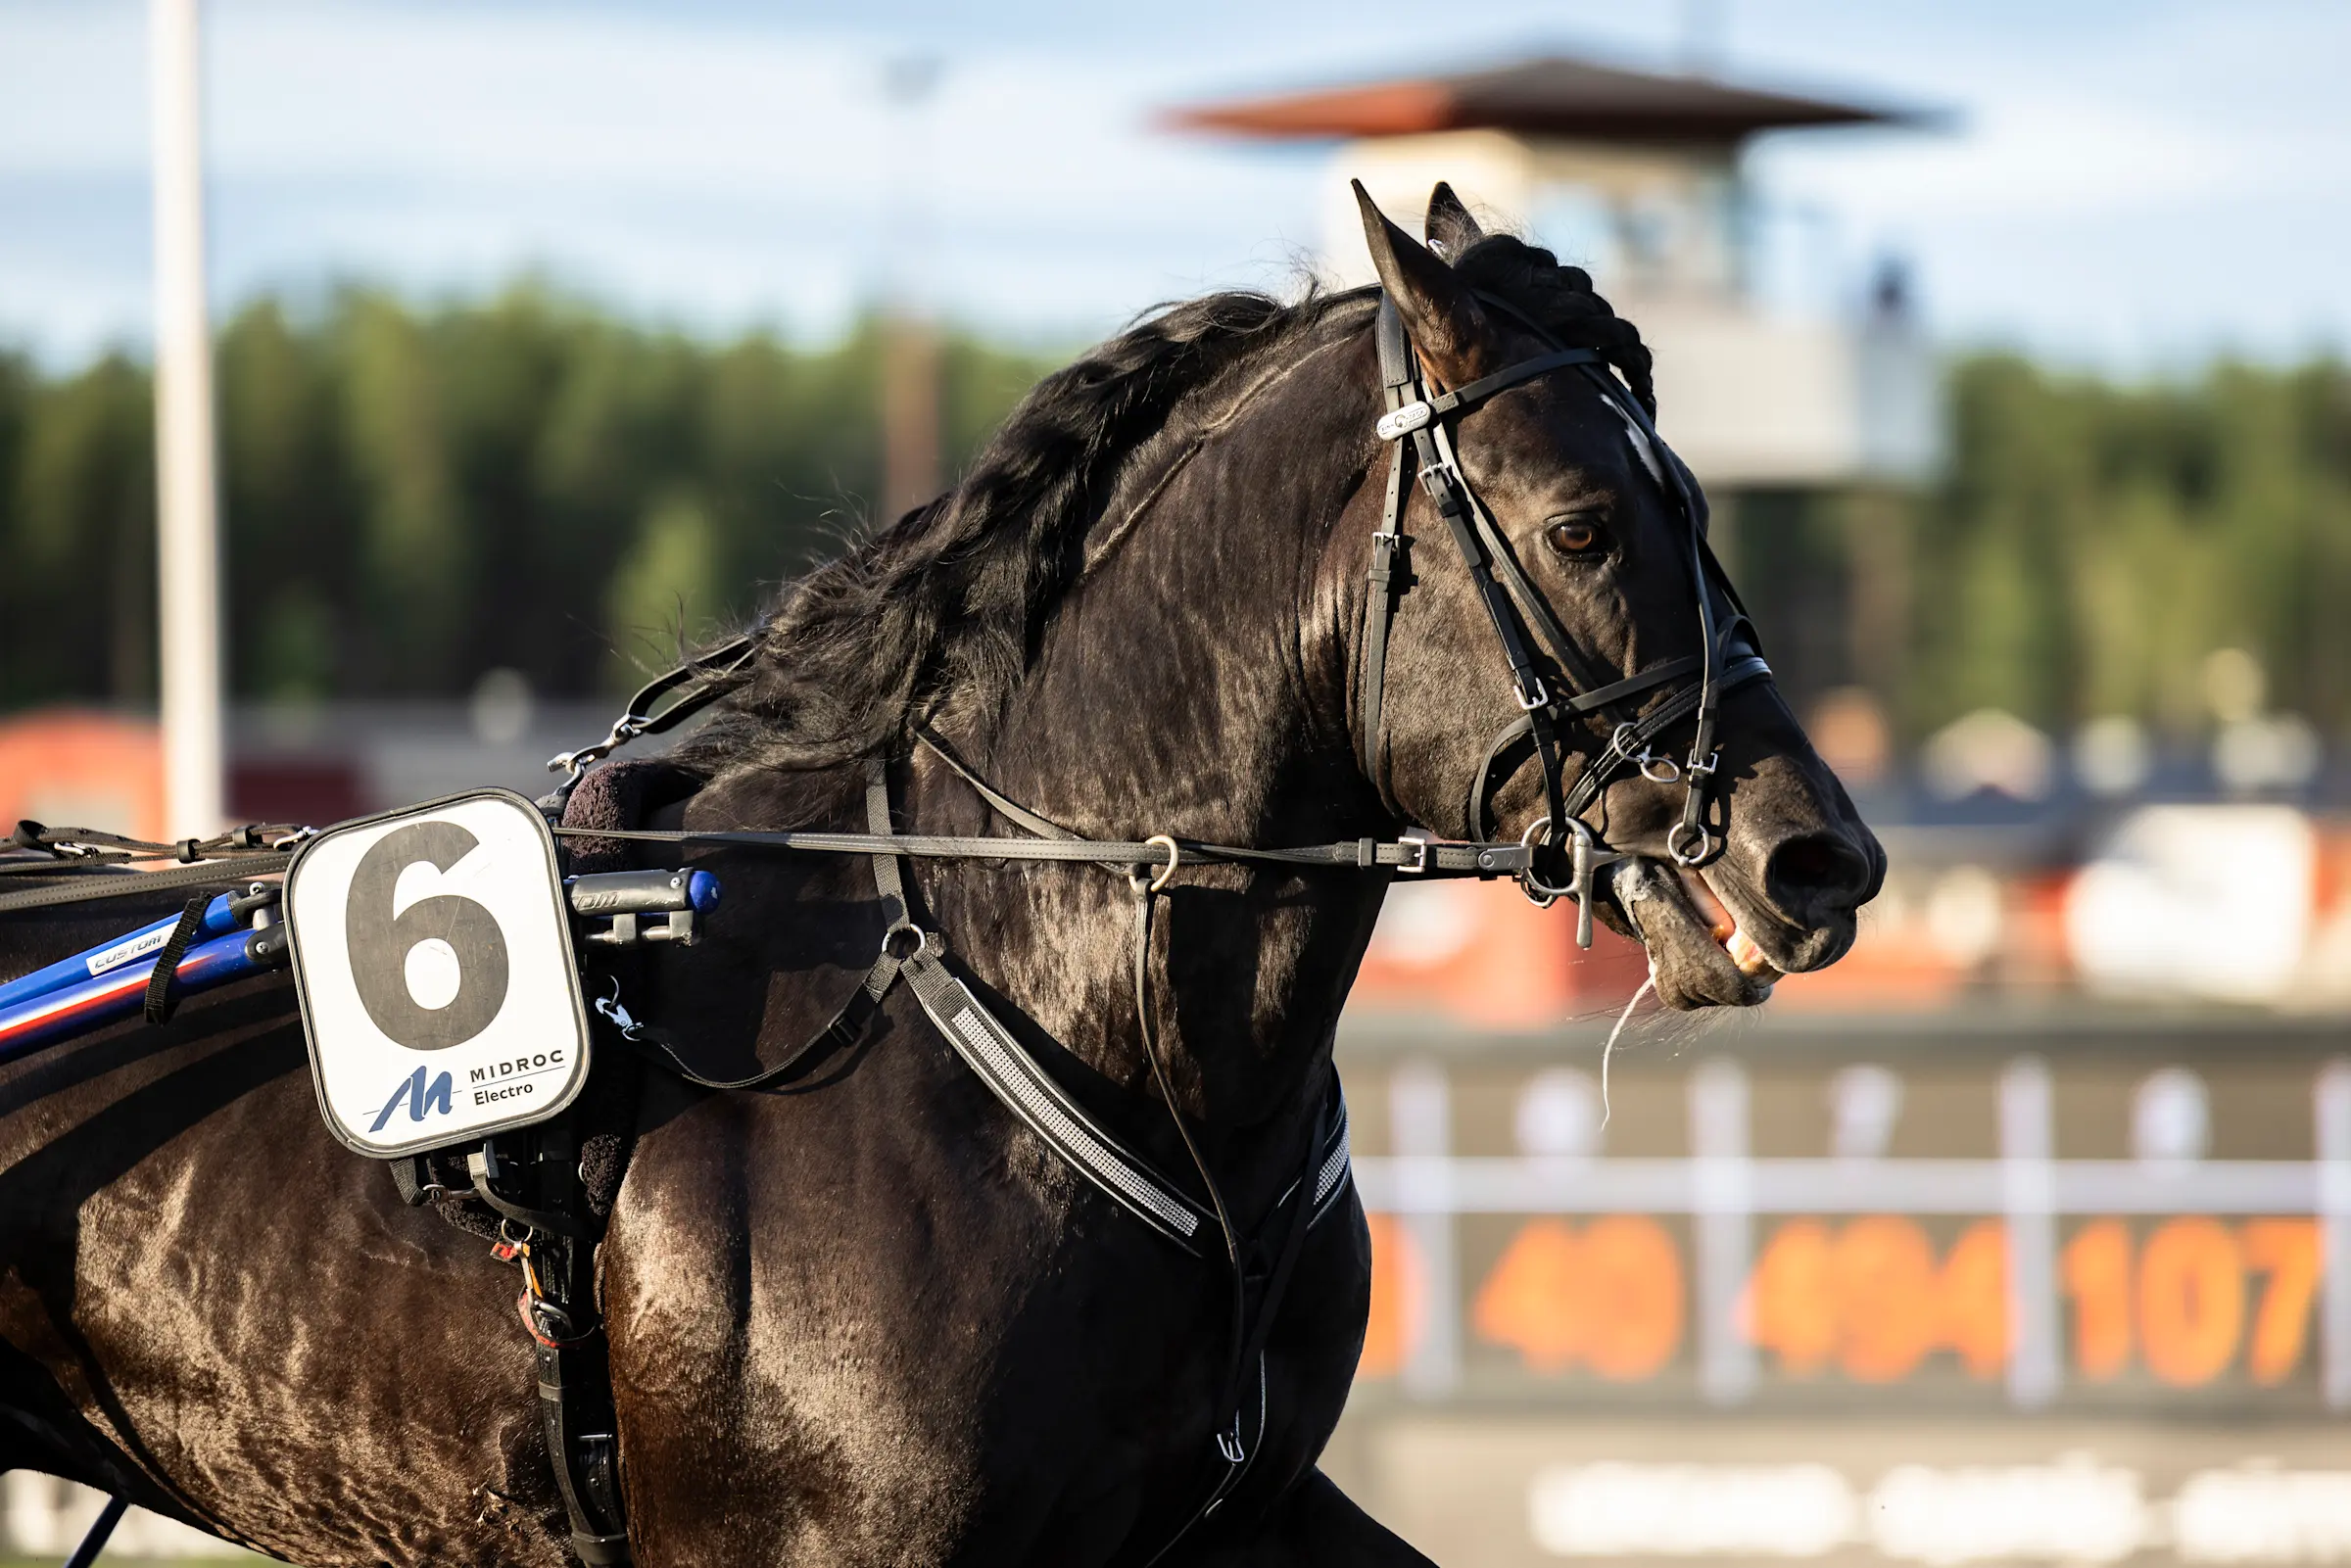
<point>2192,1299</point>
<point>1634,1317</point>
<point>1790,1304</point>
<point>1975,1297</point>
<point>2096,1272</point>
<point>2184,1302</point>
<point>2288,1252</point>
<point>1399,1284</point>
<point>1532,1302</point>
<point>1609,1297</point>
<point>1869,1296</point>
<point>1882,1270</point>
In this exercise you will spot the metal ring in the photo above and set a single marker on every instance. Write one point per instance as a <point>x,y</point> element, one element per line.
<point>922,941</point>
<point>1539,893</point>
<point>1708,846</point>
<point>1159,878</point>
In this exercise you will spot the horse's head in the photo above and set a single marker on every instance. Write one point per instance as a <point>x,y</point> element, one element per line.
<point>1576,516</point>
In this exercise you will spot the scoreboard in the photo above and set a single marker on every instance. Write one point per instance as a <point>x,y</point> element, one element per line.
<point>2057,1287</point>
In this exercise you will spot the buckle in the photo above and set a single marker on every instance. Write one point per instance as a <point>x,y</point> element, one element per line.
<point>1540,700</point>
<point>1404,421</point>
<point>1419,840</point>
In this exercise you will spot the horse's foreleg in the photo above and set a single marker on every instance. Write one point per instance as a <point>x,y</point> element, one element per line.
<point>1314,1523</point>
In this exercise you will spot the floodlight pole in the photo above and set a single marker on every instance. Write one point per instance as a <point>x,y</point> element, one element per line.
<point>187,495</point>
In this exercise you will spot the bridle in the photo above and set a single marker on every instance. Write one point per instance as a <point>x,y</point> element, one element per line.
<point>1418,430</point>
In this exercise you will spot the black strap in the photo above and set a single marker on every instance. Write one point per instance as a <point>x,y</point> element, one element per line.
<point>97,883</point>
<point>575,1380</point>
<point>1399,376</point>
<point>484,1172</point>
<point>72,848</point>
<point>1004,806</point>
<point>1484,386</point>
<point>703,678</point>
<point>1433,856</point>
<point>1582,672</point>
<point>1299,1207</point>
<point>1380,609</point>
<point>849,1022</point>
<point>160,1000</point>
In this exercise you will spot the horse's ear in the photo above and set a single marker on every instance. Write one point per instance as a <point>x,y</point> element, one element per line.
<point>1450,229</point>
<point>1439,312</point>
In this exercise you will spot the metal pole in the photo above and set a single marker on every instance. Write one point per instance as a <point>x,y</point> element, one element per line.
<point>187,526</point>
<point>100,1529</point>
<point>910,358</point>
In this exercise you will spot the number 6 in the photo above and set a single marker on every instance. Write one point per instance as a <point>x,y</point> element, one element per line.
<point>379,944</point>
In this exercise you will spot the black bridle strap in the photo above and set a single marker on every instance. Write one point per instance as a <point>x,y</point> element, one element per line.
<point>1408,416</point>
<point>703,677</point>
<point>1003,805</point>
<point>1632,685</point>
<point>1526,678</point>
<point>1580,670</point>
<point>1624,747</point>
<point>1397,375</point>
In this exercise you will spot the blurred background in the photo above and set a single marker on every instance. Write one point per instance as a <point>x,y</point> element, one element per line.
<point>2006,339</point>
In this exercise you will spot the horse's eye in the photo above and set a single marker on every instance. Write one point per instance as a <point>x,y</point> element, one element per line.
<point>1573,536</point>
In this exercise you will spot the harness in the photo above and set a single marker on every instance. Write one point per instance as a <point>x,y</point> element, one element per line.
<point>1558,688</point>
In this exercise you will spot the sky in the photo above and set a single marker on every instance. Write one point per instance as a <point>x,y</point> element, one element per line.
<point>2132,187</point>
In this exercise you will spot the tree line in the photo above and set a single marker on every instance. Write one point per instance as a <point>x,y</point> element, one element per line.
<point>410,496</point>
<point>413,495</point>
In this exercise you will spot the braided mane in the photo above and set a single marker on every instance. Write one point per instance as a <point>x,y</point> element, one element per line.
<point>953,596</point>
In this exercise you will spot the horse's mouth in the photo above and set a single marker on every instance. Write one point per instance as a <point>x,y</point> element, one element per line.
<point>1700,954</point>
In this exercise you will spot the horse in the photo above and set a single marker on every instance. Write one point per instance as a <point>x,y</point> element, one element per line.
<point>862,1315</point>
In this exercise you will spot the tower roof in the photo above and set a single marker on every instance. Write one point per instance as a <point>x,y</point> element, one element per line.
<point>1553,96</point>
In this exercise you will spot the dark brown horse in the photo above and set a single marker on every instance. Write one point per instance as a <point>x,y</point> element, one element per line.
<point>865,1316</point>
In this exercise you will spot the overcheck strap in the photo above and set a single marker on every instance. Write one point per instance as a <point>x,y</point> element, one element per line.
<point>1435,856</point>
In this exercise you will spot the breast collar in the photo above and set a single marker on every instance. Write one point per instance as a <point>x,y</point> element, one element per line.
<point>1418,429</point>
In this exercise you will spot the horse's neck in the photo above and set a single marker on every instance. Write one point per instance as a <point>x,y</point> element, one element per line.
<point>1172,694</point>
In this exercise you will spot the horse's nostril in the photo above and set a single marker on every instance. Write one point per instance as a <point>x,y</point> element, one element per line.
<point>1817,868</point>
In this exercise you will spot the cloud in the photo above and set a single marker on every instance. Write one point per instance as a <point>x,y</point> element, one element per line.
<point>2128,178</point>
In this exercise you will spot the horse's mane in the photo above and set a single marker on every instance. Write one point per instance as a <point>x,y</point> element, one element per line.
<point>953,596</point>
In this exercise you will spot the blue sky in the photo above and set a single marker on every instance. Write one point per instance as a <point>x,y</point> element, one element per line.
<point>2131,186</point>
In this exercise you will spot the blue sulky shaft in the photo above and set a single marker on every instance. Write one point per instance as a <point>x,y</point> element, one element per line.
<point>110,981</point>
<point>138,949</point>
<point>122,991</point>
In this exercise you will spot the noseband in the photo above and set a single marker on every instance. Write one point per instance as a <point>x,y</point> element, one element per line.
<point>1419,428</point>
